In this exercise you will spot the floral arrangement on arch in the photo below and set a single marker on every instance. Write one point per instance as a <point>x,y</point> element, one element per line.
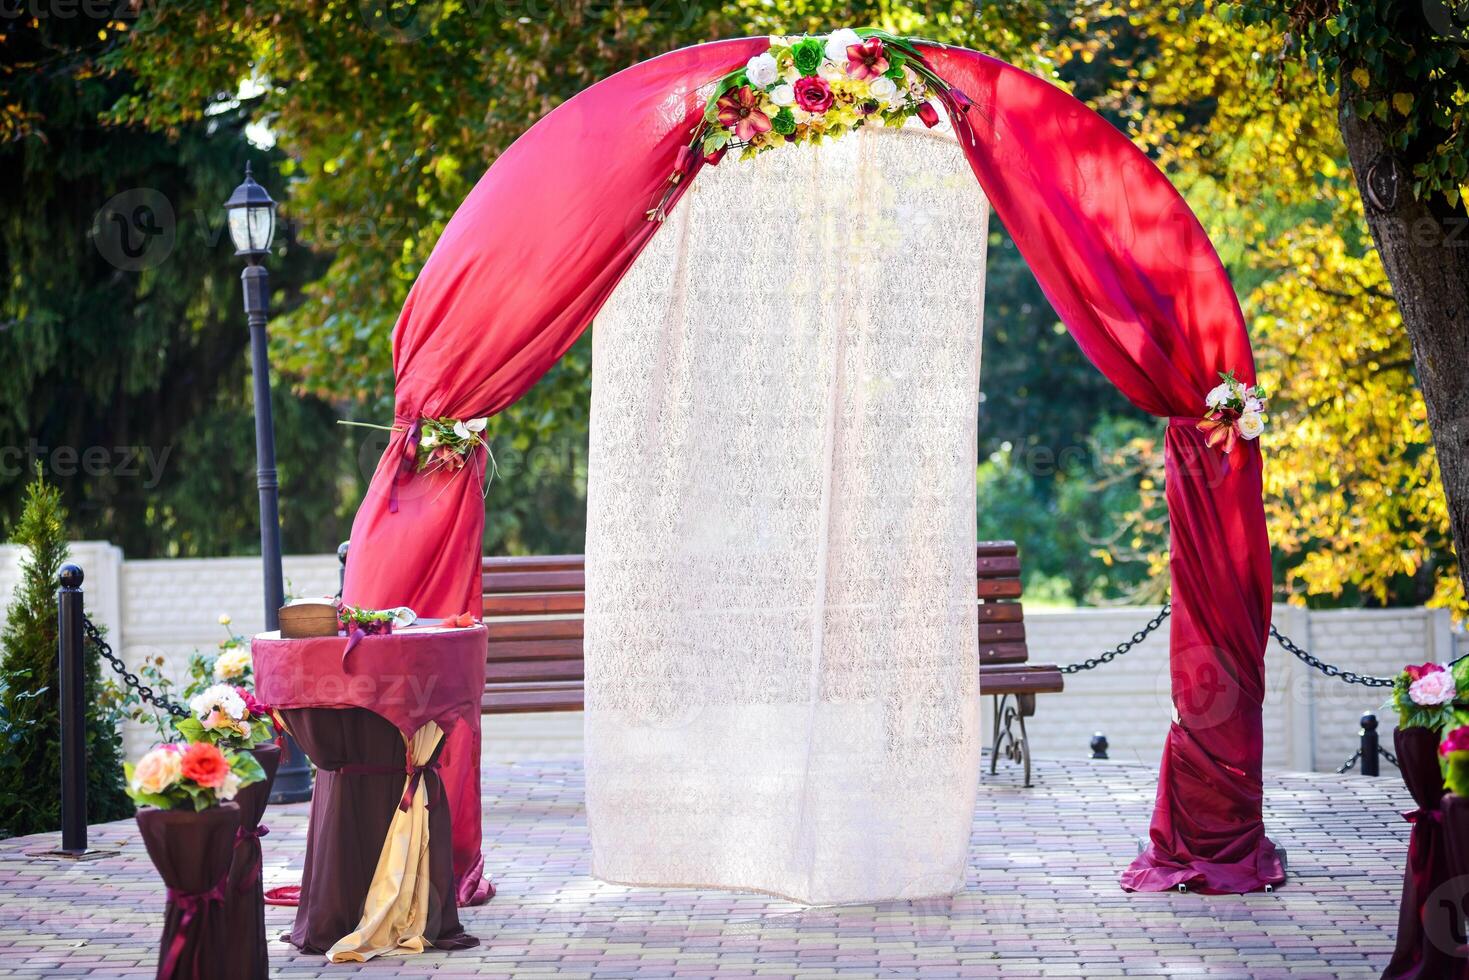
<point>443,443</point>
<point>806,89</point>
<point>197,775</point>
<point>1235,411</point>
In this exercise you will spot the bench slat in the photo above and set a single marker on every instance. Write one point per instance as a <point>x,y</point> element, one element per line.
<point>535,563</point>
<point>535,629</point>
<point>1020,679</point>
<point>1002,653</point>
<point>1001,612</point>
<point>504,651</point>
<point>543,604</point>
<point>1001,632</point>
<point>993,549</point>
<point>569,580</point>
<point>509,699</point>
<point>1007,566</point>
<point>520,671</point>
<point>999,588</point>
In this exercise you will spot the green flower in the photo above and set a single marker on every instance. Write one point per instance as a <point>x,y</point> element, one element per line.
<point>784,122</point>
<point>808,54</point>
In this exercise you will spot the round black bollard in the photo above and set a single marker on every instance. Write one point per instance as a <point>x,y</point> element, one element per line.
<point>342,574</point>
<point>72,682</point>
<point>1370,750</point>
<point>1099,746</point>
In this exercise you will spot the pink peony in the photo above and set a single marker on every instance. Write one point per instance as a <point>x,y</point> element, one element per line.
<point>1455,741</point>
<point>867,60</point>
<point>1433,688</point>
<point>739,110</point>
<point>813,94</point>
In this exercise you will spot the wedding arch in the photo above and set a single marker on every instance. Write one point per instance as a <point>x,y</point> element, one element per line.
<point>543,240</point>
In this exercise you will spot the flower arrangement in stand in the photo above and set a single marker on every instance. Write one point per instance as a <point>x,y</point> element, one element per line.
<point>1432,702</point>
<point>190,825</point>
<point>1453,753</point>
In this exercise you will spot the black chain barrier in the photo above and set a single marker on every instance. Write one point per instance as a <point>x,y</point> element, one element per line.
<point>1347,766</point>
<point>1124,646</point>
<point>1289,645</point>
<point>146,693</point>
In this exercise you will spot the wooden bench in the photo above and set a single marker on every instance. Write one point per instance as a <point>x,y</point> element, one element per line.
<point>533,609</point>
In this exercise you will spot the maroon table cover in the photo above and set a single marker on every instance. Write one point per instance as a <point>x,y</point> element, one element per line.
<point>1417,956</point>
<point>383,690</point>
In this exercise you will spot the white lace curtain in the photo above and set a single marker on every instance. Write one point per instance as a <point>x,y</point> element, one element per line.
<point>782,682</point>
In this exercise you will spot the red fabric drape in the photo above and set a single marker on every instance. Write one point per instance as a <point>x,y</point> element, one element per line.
<point>544,237</point>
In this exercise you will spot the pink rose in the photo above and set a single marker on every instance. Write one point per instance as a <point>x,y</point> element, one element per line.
<point>1433,688</point>
<point>1455,741</point>
<point>158,770</point>
<point>1415,672</point>
<point>813,94</point>
<point>254,707</point>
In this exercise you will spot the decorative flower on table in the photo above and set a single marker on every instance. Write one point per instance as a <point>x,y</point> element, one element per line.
<point>807,89</point>
<point>198,775</point>
<point>1235,411</point>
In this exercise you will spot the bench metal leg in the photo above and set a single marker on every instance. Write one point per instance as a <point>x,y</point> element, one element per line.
<point>1008,716</point>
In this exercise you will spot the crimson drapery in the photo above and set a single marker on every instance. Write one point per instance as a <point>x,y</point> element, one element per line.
<point>551,228</point>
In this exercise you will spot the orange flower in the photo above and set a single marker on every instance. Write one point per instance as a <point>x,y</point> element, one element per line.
<point>205,765</point>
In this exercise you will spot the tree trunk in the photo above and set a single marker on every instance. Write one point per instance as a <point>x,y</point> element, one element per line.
<point>1425,250</point>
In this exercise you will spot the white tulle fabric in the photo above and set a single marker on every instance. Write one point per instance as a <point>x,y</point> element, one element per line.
<point>782,683</point>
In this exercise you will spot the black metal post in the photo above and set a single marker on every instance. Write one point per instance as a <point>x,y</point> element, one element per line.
<point>1370,752</point>
<point>293,780</point>
<point>73,712</point>
<point>1099,746</point>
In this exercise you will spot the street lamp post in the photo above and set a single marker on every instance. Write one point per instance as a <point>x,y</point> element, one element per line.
<point>251,215</point>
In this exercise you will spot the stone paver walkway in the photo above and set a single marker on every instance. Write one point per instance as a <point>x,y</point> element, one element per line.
<point>1042,897</point>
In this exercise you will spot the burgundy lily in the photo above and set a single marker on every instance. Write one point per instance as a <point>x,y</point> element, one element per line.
<point>739,110</point>
<point>867,60</point>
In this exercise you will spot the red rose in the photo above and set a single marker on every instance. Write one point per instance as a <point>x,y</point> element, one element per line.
<point>1415,672</point>
<point>205,765</point>
<point>813,94</point>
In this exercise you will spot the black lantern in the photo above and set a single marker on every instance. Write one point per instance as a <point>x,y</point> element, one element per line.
<point>251,218</point>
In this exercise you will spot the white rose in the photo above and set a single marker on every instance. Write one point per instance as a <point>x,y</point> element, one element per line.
<point>838,43</point>
<point>231,664</point>
<point>832,71</point>
<point>230,787</point>
<point>1218,395</point>
<point>1251,424</point>
<point>884,89</point>
<point>783,95</point>
<point>221,697</point>
<point>761,70</point>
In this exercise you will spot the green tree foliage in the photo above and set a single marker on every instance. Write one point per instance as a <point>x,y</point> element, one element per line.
<point>126,372</point>
<point>30,765</point>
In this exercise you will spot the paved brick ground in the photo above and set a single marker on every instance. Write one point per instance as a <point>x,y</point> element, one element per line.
<point>1042,897</point>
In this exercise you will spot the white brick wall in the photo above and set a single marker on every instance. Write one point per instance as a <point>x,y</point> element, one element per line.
<point>169,608</point>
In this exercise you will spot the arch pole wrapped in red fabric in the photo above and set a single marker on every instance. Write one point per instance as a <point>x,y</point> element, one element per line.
<point>546,235</point>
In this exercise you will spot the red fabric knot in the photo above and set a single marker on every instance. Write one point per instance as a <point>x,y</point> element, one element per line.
<point>412,771</point>
<point>407,462</point>
<point>415,774</point>
<point>1423,814</point>
<point>257,832</point>
<point>190,904</point>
